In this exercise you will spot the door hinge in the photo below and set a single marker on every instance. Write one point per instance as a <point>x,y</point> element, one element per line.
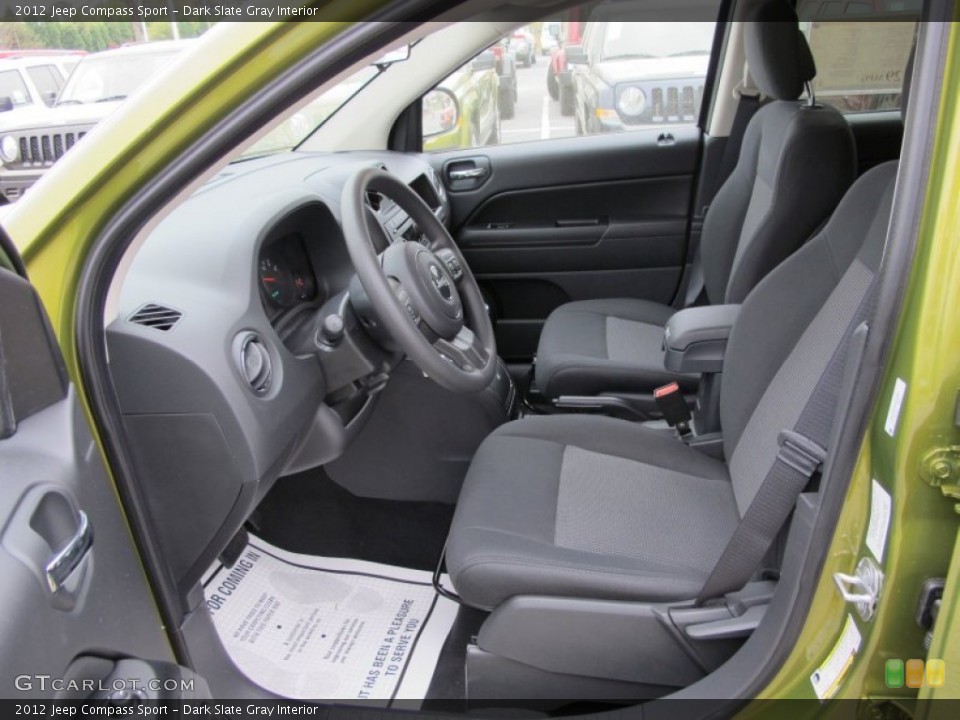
<point>862,589</point>
<point>940,468</point>
<point>931,593</point>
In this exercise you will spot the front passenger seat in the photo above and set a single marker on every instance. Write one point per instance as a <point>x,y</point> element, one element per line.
<point>796,161</point>
<point>593,507</point>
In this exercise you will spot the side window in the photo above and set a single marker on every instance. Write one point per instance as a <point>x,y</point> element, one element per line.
<point>563,79</point>
<point>12,89</point>
<point>48,81</point>
<point>859,64</point>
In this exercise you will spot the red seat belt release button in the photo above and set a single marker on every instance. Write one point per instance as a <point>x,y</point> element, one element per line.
<point>672,404</point>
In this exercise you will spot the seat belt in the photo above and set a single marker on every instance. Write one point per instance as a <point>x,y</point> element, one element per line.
<point>798,460</point>
<point>803,450</point>
<point>747,106</point>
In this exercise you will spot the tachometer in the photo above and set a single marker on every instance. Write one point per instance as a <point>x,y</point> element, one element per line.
<point>277,283</point>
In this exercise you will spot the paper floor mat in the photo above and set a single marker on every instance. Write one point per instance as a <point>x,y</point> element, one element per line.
<point>315,628</point>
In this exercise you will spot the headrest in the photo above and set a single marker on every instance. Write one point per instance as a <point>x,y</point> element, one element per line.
<point>777,52</point>
<point>907,79</point>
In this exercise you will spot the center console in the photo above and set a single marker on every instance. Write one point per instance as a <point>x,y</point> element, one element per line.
<point>695,341</point>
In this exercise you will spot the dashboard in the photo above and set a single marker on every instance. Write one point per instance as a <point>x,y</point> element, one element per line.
<point>286,275</point>
<point>238,385</point>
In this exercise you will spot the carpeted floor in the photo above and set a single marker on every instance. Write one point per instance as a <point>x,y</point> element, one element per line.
<point>309,513</point>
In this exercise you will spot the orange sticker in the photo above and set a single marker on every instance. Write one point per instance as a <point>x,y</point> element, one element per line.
<point>914,673</point>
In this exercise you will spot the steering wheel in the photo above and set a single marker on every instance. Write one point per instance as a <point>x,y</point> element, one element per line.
<point>424,295</point>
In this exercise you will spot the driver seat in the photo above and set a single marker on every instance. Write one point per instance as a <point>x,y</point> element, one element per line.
<point>599,508</point>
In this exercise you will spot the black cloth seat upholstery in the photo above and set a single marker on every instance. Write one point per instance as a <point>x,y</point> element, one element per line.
<point>795,164</point>
<point>588,506</point>
<point>595,507</point>
<point>597,346</point>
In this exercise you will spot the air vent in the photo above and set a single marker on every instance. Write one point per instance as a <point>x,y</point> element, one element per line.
<point>374,200</point>
<point>254,363</point>
<point>157,317</point>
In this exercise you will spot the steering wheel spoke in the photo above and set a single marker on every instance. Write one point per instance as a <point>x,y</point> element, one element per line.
<point>452,263</point>
<point>465,350</point>
<point>403,297</point>
<point>429,285</point>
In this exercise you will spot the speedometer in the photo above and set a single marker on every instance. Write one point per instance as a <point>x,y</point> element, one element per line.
<point>277,283</point>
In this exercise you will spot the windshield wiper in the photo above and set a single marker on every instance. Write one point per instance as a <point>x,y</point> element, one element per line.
<point>688,53</point>
<point>110,98</point>
<point>69,102</point>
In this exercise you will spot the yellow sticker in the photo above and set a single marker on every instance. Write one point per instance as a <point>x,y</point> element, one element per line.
<point>827,678</point>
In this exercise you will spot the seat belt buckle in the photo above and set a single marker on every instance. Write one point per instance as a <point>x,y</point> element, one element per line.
<point>800,453</point>
<point>671,403</point>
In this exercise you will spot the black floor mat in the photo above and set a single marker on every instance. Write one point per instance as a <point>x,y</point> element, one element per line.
<point>309,513</point>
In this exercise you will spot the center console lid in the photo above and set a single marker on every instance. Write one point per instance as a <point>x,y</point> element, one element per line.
<point>695,339</point>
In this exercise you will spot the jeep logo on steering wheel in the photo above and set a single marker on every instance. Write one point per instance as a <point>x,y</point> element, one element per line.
<point>441,283</point>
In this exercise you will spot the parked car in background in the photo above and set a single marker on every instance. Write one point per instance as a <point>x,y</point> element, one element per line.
<point>31,79</point>
<point>549,34</point>
<point>523,48</point>
<point>633,75</point>
<point>33,142</point>
<point>464,110</point>
<point>559,81</point>
<point>507,74</point>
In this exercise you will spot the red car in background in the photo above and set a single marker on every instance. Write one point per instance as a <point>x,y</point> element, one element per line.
<point>559,81</point>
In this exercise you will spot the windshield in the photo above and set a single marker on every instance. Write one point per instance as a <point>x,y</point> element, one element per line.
<point>296,128</point>
<point>303,123</point>
<point>101,79</point>
<point>656,39</point>
<point>12,87</point>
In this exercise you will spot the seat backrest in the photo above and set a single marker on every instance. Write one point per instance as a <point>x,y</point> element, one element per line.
<point>796,161</point>
<point>795,325</point>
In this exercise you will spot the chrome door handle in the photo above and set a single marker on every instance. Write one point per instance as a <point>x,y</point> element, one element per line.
<point>467,174</point>
<point>64,563</point>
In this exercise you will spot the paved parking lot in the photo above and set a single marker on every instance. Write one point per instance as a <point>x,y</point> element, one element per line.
<point>537,115</point>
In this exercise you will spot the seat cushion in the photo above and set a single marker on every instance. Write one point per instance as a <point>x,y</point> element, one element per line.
<point>586,506</point>
<point>596,346</point>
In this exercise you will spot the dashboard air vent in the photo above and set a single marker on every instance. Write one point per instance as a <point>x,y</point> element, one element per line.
<point>156,316</point>
<point>255,364</point>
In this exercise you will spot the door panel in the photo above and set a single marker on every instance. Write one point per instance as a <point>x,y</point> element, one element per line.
<point>572,219</point>
<point>73,587</point>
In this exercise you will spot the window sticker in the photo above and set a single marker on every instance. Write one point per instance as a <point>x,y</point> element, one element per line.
<point>860,56</point>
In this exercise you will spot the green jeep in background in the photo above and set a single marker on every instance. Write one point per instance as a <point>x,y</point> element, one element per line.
<point>464,110</point>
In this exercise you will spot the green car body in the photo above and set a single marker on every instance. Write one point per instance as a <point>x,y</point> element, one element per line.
<point>476,88</point>
<point>58,223</point>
